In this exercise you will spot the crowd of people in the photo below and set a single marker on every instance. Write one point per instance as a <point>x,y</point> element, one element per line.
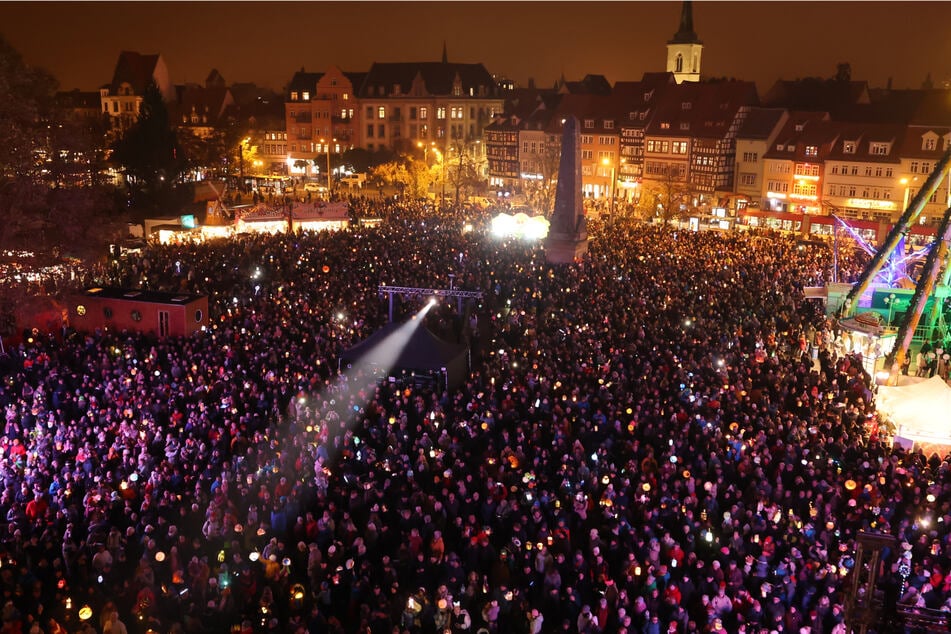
<point>662,437</point>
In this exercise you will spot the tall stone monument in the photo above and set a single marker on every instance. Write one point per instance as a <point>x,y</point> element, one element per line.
<point>567,236</point>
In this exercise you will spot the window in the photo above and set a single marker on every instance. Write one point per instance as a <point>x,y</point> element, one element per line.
<point>588,123</point>
<point>880,149</point>
<point>650,146</point>
<point>587,139</point>
<point>607,140</point>
<point>684,125</point>
<point>868,170</point>
<point>381,112</point>
<point>748,178</point>
<point>423,113</point>
<point>930,143</point>
<point>587,155</point>
<point>848,147</point>
<point>750,157</point>
<point>381,130</point>
<point>440,112</point>
<point>855,170</point>
<point>686,105</point>
<point>608,124</point>
<point>879,171</point>
<point>926,168</point>
<point>456,112</point>
<point>305,95</point>
<point>812,150</point>
<point>888,172</point>
<point>293,95</point>
<point>835,169</point>
<point>369,112</point>
<point>346,96</point>
<point>370,131</point>
<point>852,190</point>
<point>665,125</point>
<point>136,315</point>
<point>679,147</point>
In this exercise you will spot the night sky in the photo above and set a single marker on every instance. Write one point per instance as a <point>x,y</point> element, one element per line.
<point>266,42</point>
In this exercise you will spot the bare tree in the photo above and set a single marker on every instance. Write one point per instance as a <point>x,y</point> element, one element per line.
<point>665,197</point>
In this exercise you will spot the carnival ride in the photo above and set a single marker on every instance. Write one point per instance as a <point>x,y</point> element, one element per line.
<point>930,288</point>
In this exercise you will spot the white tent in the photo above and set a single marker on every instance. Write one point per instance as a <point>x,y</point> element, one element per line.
<point>920,411</point>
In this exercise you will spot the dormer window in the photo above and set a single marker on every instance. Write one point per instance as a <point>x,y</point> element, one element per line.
<point>686,105</point>
<point>848,147</point>
<point>930,143</point>
<point>457,90</point>
<point>812,150</point>
<point>684,125</point>
<point>305,95</point>
<point>800,127</point>
<point>293,95</point>
<point>396,89</point>
<point>632,115</point>
<point>608,124</point>
<point>346,96</point>
<point>665,125</point>
<point>589,123</point>
<point>879,149</point>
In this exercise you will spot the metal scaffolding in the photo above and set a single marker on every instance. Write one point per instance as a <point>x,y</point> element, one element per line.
<point>411,291</point>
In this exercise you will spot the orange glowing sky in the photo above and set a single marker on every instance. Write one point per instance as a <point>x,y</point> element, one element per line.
<point>266,42</point>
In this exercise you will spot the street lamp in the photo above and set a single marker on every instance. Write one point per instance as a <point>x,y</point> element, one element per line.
<point>327,145</point>
<point>607,162</point>
<point>241,148</point>
<point>890,302</point>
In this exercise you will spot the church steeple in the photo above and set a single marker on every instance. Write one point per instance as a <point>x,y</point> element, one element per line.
<point>685,34</point>
<point>685,48</point>
<point>445,54</point>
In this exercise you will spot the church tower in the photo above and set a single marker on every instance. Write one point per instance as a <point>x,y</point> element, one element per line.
<point>684,50</point>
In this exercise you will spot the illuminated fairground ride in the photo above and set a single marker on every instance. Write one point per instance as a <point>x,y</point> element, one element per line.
<point>925,300</point>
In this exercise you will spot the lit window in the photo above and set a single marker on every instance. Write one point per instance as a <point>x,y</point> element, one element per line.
<point>423,113</point>
<point>305,95</point>
<point>293,95</point>
<point>441,112</point>
<point>381,112</point>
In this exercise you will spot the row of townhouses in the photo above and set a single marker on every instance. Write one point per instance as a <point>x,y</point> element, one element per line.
<point>808,146</point>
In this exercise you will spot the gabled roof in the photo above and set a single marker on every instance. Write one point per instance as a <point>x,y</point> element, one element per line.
<point>827,95</point>
<point>760,123</point>
<point>304,81</point>
<point>437,77</point>
<point>209,102</point>
<point>707,109</point>
<point>215,79</point>
<point>134,69</point>
<point>913,146</point>
<point>590,85</point>
<point>802,129</point>
<point>934,108</point>
<point>864,135</point>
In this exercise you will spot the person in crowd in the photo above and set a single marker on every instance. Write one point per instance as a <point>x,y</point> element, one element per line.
<point>658,437</point>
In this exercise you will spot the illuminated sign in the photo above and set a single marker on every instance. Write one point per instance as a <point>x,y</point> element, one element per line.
<point>867,203</point>
<point>775,195</point>
<point>804,197</point>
